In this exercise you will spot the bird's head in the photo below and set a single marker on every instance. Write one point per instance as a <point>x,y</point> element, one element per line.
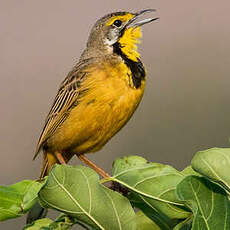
<point>119,30</point>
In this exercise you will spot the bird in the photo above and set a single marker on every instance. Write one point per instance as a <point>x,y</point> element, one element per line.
<point>99,95</point>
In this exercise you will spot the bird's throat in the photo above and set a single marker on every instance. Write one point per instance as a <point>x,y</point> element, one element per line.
<point>128,43</point>
<point>136,67</point>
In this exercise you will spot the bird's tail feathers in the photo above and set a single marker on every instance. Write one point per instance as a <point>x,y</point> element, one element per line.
<point>48,161</point>
<point>38,212</point>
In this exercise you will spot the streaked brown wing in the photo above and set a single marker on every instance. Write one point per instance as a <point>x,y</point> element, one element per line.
<point>67,95</point>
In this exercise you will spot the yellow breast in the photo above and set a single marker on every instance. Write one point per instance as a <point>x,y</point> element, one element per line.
<point>108,103</point>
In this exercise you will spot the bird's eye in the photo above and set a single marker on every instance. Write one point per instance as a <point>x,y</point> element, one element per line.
<point>117,23</point>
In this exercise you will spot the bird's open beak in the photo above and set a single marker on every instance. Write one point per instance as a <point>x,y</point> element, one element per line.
<point>135,21</point>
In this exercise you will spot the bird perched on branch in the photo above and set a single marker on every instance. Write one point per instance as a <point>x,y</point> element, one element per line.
<point>99,95</point>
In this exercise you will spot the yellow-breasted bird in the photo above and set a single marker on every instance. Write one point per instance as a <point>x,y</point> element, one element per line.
<point>99,95</point>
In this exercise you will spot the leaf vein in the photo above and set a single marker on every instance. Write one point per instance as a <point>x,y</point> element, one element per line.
<point>115,210</point>
<point>156,211</point>
<point>147,178</point>
<point>76,203</point>
<point>145,194</point>
<point>198,203</point>
<point>210,167</point>
<point>90,194</point>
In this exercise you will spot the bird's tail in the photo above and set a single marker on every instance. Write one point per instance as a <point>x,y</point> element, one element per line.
<point>48,161</point>
<point>37,211</point>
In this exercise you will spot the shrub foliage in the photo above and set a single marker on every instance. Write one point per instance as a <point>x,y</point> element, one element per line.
<point>152,196</point>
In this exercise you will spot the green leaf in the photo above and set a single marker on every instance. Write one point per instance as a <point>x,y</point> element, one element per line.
<point>63,222</point>
<point>76,191</point>
<point>159,218</point>
<point>153,183</point>
<point>214,163</point>
<point>41,224</point>
<point>17,199</point>
<point>189,171</point>
<point>208,202</point>
<point>184,225</point>
<point>144,223</point>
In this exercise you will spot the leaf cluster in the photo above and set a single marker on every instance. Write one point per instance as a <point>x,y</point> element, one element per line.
<point>153,196</point>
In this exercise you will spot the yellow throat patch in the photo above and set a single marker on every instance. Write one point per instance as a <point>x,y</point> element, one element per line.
<point>128,43</point>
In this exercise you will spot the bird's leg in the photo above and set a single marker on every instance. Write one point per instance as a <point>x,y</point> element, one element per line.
<point>60,158</point>
<point>84,159</point>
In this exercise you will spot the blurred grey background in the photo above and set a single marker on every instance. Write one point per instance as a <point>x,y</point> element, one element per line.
<point>186,104</point>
